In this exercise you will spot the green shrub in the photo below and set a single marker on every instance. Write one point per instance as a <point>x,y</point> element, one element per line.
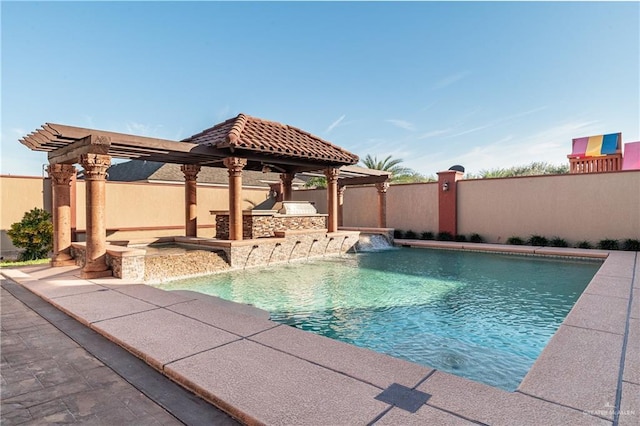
<point>444,236</point>
<point>398,233</point>
<point>537,240</point>
<point>515,241</point>
<point>34,233</point>
<point>608,244</point>
<point>631,245</point>
<point>584,245</point>
<point>426,236</point>
<point>410,235</point>
<point>558,242</point>
<point>461,238</point>
<point>476,238</point>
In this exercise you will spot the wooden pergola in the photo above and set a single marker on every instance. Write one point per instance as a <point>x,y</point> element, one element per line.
<point>240,143</point>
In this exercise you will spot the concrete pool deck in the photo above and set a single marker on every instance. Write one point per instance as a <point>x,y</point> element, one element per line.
<point>262,372</point>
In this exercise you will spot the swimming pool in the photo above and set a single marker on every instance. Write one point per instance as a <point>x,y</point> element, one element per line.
<point>482,316</point>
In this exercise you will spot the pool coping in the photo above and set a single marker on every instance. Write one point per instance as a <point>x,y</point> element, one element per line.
<point>268,373</point>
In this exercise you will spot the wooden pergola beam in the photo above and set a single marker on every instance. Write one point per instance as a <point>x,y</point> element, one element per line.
<point>71,153</point>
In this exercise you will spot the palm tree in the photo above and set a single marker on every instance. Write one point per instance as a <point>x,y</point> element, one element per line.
<point>387,165</point>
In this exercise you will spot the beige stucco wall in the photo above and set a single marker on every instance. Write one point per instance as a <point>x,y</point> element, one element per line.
<point>146,205</point>
<point>129,205</point>
<point>18,195</point>
<point>413,207</point>
<point>574,207</point>
<point>409,206</point>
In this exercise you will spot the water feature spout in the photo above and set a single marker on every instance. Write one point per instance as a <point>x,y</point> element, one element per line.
<point>246,262</point>
<point>292,249</point>
<point>315,240</point>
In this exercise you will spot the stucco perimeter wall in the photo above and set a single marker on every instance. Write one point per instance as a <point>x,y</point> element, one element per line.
<point>409,206</point>
<point>161,206</point>
<point>133,209</point>
<point>412,207</point>
<point>575,207</point>
<point>18,195</point>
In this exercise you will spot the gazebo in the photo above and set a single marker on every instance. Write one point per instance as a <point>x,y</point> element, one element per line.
<point>240,143</point>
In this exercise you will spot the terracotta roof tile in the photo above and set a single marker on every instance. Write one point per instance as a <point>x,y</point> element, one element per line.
<point>254,134</point>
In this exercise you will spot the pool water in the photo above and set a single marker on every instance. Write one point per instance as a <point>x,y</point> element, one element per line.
<point>482,316</point>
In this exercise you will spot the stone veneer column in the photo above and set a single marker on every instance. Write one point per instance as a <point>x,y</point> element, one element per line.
<point>61,176</point>
<point>382,203</point>
<point>235,166</point>
<point>341,189</point>
<point>286,179</point>
<point>448,201</point>
<point>190,199</point>
<point>95,174</point>
<point>332,198</point>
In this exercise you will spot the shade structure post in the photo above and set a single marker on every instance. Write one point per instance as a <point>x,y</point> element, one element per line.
<point>287,179</point>
<point>235,166</point>
<point>95,174</point>
<point>190,172</point>
<point>61,176</point>
<point>332,198</point>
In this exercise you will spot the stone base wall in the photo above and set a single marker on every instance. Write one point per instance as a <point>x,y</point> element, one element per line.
<point>290,246</point>
<point>221,255</point>
<point>264,226</point>
<point>188,264</point>
<point>129,267</point>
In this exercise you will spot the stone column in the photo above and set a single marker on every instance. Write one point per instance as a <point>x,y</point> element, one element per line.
<point>190,199</point>
<point>332,198</point>
<point>286,179</point>
<point>61,176</point>
<point>382,203</point>
<point>341,189</point>
<point>95,174</point>
<point>235,166</point>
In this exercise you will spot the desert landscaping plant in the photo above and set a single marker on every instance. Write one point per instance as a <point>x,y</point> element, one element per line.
<point>558,242</point>
<point>34,234</point>
<point>476,238</point>
<point>515,241</point>
<point>444,236</point>
<point>427,235</point>
<point>461,238</point>
<point>398,233</point>
<point>608,244</point>
<point>584,245</point>
<point>410,235</point>
<point>537,240</point>
<point>631,245</point>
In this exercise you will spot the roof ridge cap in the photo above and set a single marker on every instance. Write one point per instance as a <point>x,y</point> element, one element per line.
<point>238,126</point>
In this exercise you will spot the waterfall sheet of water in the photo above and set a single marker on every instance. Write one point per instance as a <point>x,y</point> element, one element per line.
<point>373,242</point>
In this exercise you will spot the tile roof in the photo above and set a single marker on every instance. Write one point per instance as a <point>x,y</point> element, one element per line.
<point>251,134</point>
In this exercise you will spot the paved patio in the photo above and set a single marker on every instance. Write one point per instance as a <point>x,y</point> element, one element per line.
<point>265,373</point>
<point>49,378</point>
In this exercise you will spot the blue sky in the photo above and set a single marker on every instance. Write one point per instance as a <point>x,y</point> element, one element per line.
<point>484,85</point>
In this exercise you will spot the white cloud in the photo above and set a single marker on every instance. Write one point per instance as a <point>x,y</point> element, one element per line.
<point>335,123</point>
<point>434,133</point>
<point>141,129</point>
<point>498,121</point>
<point>401,123</point>
<point>449,80</point>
